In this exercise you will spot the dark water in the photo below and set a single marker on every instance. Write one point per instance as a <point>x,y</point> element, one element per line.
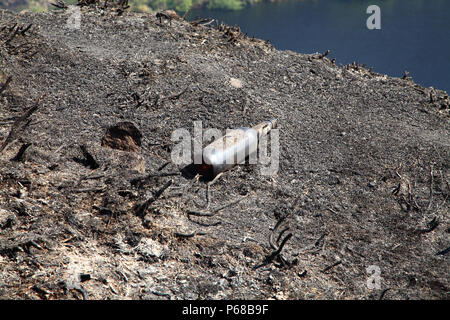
<point>414,35</point>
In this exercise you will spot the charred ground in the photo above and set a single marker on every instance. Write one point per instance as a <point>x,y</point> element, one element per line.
<point>363,176</point>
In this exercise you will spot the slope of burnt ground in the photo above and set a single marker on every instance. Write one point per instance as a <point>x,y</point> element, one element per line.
<point>91,205</point>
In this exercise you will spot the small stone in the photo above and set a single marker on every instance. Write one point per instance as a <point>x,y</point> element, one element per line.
<point>236,83</point>
<point>150,248</point>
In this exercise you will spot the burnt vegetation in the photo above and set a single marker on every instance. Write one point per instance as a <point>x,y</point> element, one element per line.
<point>92,207</point>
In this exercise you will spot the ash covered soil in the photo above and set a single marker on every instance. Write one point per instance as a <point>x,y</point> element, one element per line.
<point>363,176</point>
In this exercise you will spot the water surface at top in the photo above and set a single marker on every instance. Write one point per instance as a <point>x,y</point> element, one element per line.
<point>414,34</point>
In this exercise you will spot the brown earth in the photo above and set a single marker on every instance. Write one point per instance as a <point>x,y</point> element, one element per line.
<point>363,178</point>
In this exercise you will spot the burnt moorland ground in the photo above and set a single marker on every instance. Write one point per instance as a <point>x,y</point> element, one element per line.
<point>363,178</point>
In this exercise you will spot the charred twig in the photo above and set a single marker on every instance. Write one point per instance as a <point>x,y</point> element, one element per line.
<point>123,275</point>
<point>82,291</point>
<point>445,199</point>
<point>176,95</point>
<point>412,203</point>
<point>104,211</point>
<point>40,291</point>
<point>83,3</point>
<point>142,208</point>
<point>278,251</point>
<point>281,234</point>
<point>93,177</point>
<point>163,166</point>
<point>5,85</point>
<point>405,75</point>
<point>279,222</point>
<point>16,31</point>
<point>205,224</point>
<point>275,245</point>
<point>187,11</point>
<point>59,4</point>
<point>430,201</point>
<point>338,262</point>
<point>215,211</point>
<point>211,213</point>
<point>430,226</point>
<point>407,201</point>
<point>12,27</point>
<point>120,11</point>
<point>162,294</point>
<point>323,55</point>
<point>22,150</point>
<point>203,22</point>
<point>22,49</point>
<point>88,160</point>
<point>445,251</point>
<point>198,21</point>
<point>189,235</point>
<point>161,15</point>
<point>33,244</point>
<point>90,176</point>
<point>208,23</point>
<point>383,293</point>
<point>158,100</point>
<point>23,31</point>
<point>20,124</point>
<point>274,254</point>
